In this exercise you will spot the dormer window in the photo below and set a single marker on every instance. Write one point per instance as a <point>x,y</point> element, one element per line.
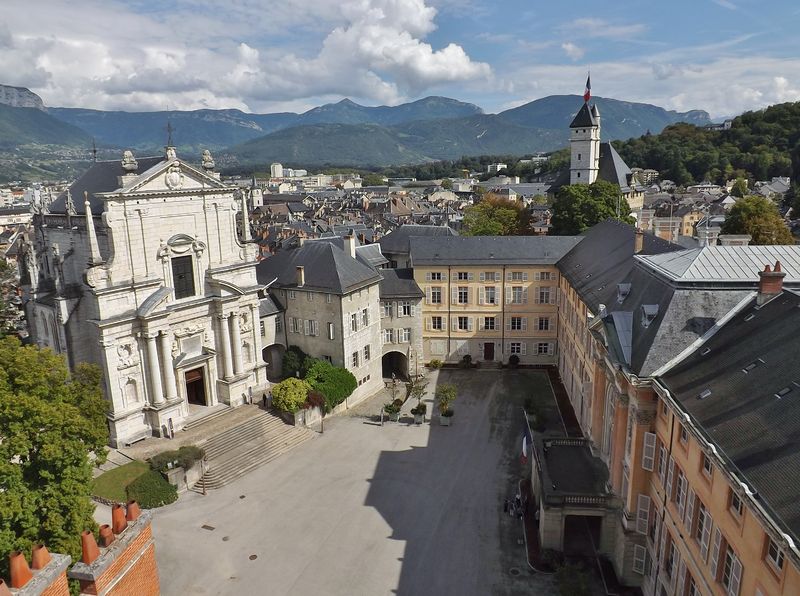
<point>649,313</point>
<point>183,276</point>
<point>622,292</point>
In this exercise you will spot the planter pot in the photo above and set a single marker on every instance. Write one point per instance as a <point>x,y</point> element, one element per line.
<point>419,418</point>
<point>445,420</point>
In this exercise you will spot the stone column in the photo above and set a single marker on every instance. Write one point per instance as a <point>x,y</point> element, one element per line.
<point>156,393</point>
<point>225,338</point>
<point>236,342</point>
<point>170,388</point>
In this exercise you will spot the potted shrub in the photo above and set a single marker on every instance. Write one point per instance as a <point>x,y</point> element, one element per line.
<point>513,361</point>
<point>435,364</point>
<point>393,409</point>
<point>446,394</point>
<point>419,412</point>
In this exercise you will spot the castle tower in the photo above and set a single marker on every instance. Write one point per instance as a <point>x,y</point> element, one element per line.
<point>585,145</point>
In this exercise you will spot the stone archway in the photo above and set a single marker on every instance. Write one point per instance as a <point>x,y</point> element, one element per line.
<point>273,356</point>
<point>395,363</point>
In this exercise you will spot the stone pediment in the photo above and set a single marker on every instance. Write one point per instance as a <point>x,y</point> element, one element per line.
<point>172,176</point>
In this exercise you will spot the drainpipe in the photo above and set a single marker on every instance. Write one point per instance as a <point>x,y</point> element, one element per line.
<point>449,298</point>
<point>503,315</point>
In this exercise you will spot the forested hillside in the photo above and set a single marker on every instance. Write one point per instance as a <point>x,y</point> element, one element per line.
<point>758,146</point>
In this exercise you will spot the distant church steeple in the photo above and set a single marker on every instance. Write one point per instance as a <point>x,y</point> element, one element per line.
<point>584,141</point>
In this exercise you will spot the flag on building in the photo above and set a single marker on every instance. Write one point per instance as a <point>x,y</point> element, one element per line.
<point>587,93</point>
<point>526,443</point>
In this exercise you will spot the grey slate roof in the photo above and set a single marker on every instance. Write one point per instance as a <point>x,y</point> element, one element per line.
<point>102,177</point>
<point>496,250</point>
<point>611,167</point>
<point>267,306</point>
<point>751,417</point>
<point>583,118</point>
<point>327,269</point>
<point>398,240</point>
<point>399,283</point>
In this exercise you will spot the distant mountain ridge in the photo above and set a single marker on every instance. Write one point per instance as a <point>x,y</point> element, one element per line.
<point>20,97</point>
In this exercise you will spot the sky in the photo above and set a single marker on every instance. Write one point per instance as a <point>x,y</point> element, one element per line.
<point>722,56</point>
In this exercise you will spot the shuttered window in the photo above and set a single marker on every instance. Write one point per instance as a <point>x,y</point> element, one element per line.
<point>649,451</point>
<point>183,277</point>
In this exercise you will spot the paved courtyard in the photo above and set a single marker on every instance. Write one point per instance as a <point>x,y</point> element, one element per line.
<point>365,509</point>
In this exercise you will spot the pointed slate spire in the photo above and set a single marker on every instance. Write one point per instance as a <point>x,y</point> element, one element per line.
<point>94,247</point>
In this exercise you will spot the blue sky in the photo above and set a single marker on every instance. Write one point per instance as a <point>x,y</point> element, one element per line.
<point>724,56</point>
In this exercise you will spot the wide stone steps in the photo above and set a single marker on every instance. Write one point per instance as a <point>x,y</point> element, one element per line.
<point>206,419</point>
<point>246,446</point>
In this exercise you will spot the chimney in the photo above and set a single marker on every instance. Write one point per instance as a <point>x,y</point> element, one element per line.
<point>106,535</point>
<point>118,521</point>
<point>40,557</point>
<point>20,572</point>
<point>4,591</point>
<point>770,283</point>
<point>638,243</point>
<point>350,245</point>
<point>133,511</point>
<point>89,547</point>
<point>301,276</point>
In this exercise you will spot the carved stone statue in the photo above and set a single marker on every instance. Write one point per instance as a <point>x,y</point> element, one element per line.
<point>171,154</point>
<point>208,161</point>
<point>129,163</point>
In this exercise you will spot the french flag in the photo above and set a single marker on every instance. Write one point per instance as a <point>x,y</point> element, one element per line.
<point>587,93</point>
<point>527,442</point>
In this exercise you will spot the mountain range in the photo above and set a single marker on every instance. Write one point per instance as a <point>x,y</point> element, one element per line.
<point>343,133</point>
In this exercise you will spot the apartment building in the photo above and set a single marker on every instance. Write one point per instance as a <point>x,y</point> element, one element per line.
<point>692,495</point>
<point>401,323</point>
<point>489,297</point>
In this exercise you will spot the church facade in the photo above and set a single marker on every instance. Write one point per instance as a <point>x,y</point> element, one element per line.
<point>140,268</point>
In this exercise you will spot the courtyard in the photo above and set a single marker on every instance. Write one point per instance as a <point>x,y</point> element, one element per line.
<point>371,509</point>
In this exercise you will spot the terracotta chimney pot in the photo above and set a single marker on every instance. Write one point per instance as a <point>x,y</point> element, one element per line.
<point>638,243</point>
<point>770,283</point>
<point>40,557</point>
<point>133,512</point>
<point>118,521</point>
<point>20,572</point>
<point>106,535</point>
<point>89,547</point>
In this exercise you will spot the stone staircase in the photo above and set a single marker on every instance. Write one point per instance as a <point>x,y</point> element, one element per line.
<point>491,365</point>
<point>246,446</point>
<point>200,421</point>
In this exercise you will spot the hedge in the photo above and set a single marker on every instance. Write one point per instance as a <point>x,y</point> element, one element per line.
<point>290,394</point>
<point>185,457</point>
<point>151,490</point>
<point>336,384</point>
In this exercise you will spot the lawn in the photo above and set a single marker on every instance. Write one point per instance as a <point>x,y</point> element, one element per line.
<point>111,485</point>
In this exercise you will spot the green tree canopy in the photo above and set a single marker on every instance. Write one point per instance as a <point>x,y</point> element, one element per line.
<point>290,394</point>
<point>372,180</point>
<point>496,217</point>
<point>50,422</point>
<point>578,207</point>
<point>759,217</point>
<point>739,188</point>
<point>335,383</point>
<point>447,183</point>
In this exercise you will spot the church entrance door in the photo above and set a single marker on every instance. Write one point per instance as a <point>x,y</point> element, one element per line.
<point>195,387</point>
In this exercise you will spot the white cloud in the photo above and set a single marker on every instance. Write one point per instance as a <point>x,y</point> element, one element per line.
<point>591,27</point>
<point>726,4</point>
<point>573,51</point>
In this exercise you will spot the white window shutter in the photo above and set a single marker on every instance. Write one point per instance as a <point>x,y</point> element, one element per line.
<point>427,295</point>
<point>681,576</point>
<point>524,276</point>
<point>649,451</point>
<point>454,295</point>
<point>413,310</point>
<point>428,324</point>
<point>705,538</point>
<point>508,323</point>
<point>481,324</point>
<point>639,553</point>
<point>508,276</point>
<point>509,295</point>
<point>470,276</point>
<point>469,295</point>
<point>469,324</point>
<point>444,323</point>
<point>481,295</point>
<point>444,276</point>
<point>552,298</point>
<point>642,514</point>
<point>663,471</point>
<point>497,276</point>
<point>682,504</point>
<point>524,348</point>
<point>670,471</point>
<point>551,348</point>
<point>454,323</point>
<point>525,296</point>
<point>482,276</point>
<point>714,563</point>
<point>428,276</point>
<point>508,347</point>
<point>398,312</point>
<point>687,521</point>
<point>305,326</point>
<point>736,577</point>
<point>537,276</point>
<point>524,323</point>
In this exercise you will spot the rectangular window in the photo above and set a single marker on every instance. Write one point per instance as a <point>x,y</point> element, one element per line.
<point>544,324</point>
<point>463,276</point>
<point>436,295</point>
<point>489,323</point>
<point>365,317</point>
<point>490,295</point>
<point>354,322</point>
<point>543,296</point>
<point>518,276</point>
<point>543,349</point>
<point>310,296</point>
<point>516,323</point>
<point>490,276</point>
<point>463,323</point>
<point>731,572</point>
<point>313,328</point>
<point>516,347</point>
<point>387,336</point>
<point>331,331</point>
<point>736,507</point>
<point>437,324</point>
<point>545,275</point>
<point>463,295</point>
<point>406,309</point>
<point>328,298</point>
<point>366,353</point>
<point>262,328</point>
<point>517,295</point>
<point>355,360</point>
<point>292,295</point>
<point>278,325</point>
<point>386,309</point>
<point>708,467</point>
<point>183,277</point>
<point>435,275</point>
<point>406,334</point>
<point>649,451</point>
<point>684,436</point>
<point>774,555</point>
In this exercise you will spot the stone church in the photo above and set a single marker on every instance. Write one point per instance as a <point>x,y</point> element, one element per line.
<point>142,268</point>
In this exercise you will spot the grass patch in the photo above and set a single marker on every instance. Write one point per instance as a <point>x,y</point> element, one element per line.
<point>112,484</point>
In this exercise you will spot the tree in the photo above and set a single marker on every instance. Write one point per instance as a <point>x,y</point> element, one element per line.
<point>759,217</point>
<point>580,206</point>
<point>447,184</point>
<point>446,394</point>
<point>739,188</point>
<point>50,423</point>
<point>373,180</point>
<point>496,217</point>
<point>293,360</point>
<point>290,394</point>
<point>335,383</point>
